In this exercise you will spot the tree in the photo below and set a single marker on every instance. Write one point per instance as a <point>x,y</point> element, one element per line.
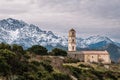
<point>17,49</point>
<point>4,68</point>
<point>59,52</point>
<point>6,63</point>
<point>37,49</point>
<point>5,46</point>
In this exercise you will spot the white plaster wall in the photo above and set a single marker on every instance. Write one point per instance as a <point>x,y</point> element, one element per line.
<point>91,58</point>
<point>71,44</point>
<point>106,58</point>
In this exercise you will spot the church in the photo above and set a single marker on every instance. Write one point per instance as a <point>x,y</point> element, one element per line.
<point>85,56</point>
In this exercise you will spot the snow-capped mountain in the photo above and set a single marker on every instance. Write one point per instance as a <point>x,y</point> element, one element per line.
<point>93,41</point>
<point>14,31</point>
<point>18,32</point>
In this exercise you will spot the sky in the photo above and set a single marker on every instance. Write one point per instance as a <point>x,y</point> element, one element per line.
<point>87,17</point>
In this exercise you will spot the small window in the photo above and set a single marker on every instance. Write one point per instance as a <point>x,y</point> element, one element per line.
<point>72,33</point>
<point>72,40</point>
<point>73,47</point>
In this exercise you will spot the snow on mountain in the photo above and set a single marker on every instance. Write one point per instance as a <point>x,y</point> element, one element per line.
<point>86,43</point>
<point>14,31</point>
<point>18,32</point>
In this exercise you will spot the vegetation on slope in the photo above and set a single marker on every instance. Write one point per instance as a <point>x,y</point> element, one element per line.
<point>37,64</point>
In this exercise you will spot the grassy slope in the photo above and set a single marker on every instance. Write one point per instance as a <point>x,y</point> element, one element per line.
<point>82,71</point>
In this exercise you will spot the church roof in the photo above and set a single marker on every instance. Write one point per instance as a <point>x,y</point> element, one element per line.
<point>90,52</point>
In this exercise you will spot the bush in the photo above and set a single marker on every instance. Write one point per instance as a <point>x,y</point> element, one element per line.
<point>17,48</point>
<point>59,52</point>
<point>5,46</point>
<point>40,50</point>
<point>47,66</point>
<point>75,71</point>
<point>61,76</point>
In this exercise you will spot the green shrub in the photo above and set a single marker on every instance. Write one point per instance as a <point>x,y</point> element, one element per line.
<point>39,50</point>
<point>61,76</point>
<point>59,52</point>
<point>35,63</point>
<point>5,46</point>
<point>47,66</point>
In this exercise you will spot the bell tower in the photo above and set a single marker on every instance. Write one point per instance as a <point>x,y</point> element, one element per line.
<point>72,40</point>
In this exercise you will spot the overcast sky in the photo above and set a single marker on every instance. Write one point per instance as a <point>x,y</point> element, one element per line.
<point>87,17</point>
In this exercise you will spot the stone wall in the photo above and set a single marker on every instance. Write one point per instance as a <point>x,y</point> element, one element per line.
<point>98,58</point>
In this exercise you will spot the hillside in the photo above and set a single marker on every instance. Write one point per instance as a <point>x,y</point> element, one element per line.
<point>80,70</point>
<point>19,64</point>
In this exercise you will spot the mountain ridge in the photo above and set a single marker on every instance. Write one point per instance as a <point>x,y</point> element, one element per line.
<point>14,31</point>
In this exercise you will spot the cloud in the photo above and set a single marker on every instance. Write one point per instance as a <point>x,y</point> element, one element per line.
<point>102,8</point>
<point>88,17</point>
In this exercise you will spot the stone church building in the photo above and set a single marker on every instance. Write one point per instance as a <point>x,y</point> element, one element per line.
<point>85,56</point>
